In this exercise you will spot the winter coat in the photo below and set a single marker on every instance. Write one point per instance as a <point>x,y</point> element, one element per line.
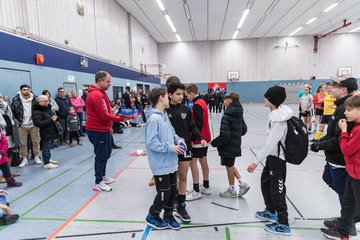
<point>232,128</point>
<point>64,104</point>
<point>42,119</point>
<point>3,148</point>
<point>17,108</point>
<point>330,142</point>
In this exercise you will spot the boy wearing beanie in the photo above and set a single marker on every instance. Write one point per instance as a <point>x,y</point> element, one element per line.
<point>274,173</point>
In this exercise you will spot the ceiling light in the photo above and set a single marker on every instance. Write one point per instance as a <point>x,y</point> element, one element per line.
<point>178,37</point>
<point>295,31</point>
<point>355,29</point>
<point>235,34</point>
<point>331,7</point>
<point>161,5</point>
<point>311,20</point>
<point>168,19</point>
<point>242,20</point>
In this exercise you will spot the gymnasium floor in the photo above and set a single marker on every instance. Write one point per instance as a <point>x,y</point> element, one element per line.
<point>60,203</point>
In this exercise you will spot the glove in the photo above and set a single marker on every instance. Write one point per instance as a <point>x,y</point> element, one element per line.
<point>315,147</point>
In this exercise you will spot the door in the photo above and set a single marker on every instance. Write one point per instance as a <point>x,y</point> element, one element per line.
<point>11,80</point>
<point>117,92</point>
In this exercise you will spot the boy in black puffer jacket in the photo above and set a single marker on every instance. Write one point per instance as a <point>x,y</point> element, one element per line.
<point>228,143</point>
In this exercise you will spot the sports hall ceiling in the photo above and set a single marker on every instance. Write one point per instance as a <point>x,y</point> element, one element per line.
<point>201,20</point>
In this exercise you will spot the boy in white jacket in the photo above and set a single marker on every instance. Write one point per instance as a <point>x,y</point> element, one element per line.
<point>274,174</point>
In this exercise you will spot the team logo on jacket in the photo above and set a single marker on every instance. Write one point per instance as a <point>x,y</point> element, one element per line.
<point>183,115</point>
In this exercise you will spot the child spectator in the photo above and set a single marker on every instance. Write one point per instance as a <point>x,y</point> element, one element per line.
<point>10,180</point>
<point>184,125</point>
<point>228,142</point>
<point>6,216</point>
<point>73,125</point>
<point>349,144</point>
<point>162,146</point>
<point>306,104</point>
<point>274,173</point>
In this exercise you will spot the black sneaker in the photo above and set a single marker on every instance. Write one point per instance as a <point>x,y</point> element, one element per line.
<point>9,219</point>
<point>333,234</point>
<point>182,214</point>
<point>334,222</point>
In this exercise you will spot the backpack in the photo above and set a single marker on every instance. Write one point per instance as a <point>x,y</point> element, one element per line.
<point>296,142</point>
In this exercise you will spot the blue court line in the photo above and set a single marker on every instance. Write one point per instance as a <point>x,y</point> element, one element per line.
<point>146,233</point>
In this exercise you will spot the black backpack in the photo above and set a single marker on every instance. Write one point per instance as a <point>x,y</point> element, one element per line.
<point>296,142</point>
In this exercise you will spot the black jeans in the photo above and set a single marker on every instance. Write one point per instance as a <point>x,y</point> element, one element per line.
<point>335,178</point>
<point>74,134</point>
<point>102,149</point>
<point>166,186</point>
<point>350,211</point>
<point>5,170</point>
<point>273,188</point>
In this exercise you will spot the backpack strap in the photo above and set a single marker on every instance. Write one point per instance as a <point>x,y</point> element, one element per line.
<point>282,146</point>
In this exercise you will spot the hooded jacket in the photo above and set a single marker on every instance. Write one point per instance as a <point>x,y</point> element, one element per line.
<point>99,116</point>
<point>17,108</point>
<point>349,144</point>
<point>330,142</point>
<point>160,140</point>
<point>64,104</point>
<point>3,148</point>
<point>78,104</point>
<point>276,132</point>
<point>42,119</point>
<point>232,127</point>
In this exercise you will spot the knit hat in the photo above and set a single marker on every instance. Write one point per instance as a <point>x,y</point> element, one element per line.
<point>276,95</point>
<point>350,84</point>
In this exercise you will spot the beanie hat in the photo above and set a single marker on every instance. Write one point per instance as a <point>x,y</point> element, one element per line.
<point>276,95</point>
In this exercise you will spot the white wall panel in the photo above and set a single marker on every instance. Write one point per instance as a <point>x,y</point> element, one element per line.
<point>144,47</point>
<point>259,60</point>
<point>11,13</point>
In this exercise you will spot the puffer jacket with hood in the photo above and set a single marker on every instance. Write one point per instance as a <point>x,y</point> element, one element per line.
<point>160,141</point>
<point>276,132</point>
<point>99,116</point>
<point>42,119</point>
<point>232,128</point>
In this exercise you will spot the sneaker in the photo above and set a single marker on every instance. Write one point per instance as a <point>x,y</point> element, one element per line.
<point>37,160</point>
<point>243,189</point>
<point>334,222</point>
<point>169,219</point>
<point>24,162</point>
<point>50,166</point>
<point>278,228</point>
<point>53,161</point>
<point>102,187</point>
<point>266,215</point>
<point>204,190</point>
<point>9,219</point>
<point>333,234</point>
<point>108,180</point>
<point>229,193</point>
<point>182,214</point>
<point>193,195</point>
<point>156,222</point>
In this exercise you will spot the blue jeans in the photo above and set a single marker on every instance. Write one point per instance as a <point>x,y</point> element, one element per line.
<point>3,202</point>
<point>335,178</point>
<point>102,149</point>
<point>81,118</point>
<point>46,147</point>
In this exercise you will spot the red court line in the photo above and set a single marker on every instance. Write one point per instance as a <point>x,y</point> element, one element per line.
<point>64,225</point>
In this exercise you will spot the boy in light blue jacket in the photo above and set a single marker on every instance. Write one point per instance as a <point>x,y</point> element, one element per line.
<point>162,146</point>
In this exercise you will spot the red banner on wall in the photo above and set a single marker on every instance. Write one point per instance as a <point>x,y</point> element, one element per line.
<point>215,85</point>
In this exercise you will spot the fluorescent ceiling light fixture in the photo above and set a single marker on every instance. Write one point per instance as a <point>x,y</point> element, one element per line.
<point>168,19</point>
<point>242,20</point>
<point>161,5</point>
<point>311,20</point>
<point>355,29</point>
<point>296,31</point>
<point>331,7</point>
<point>235,34</point>
<point>178,37</point>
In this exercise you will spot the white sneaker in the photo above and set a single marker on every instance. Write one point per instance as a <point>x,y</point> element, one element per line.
<point>102,187</point>
<point>193,195</point>
<point>37,160</point>
<point>108,180</point>
<point>53,161</point>
<point>24,162</point>
<point>50,166</point>
<point>204,190</point>
<point>229,193</point>
<point>243,189</point>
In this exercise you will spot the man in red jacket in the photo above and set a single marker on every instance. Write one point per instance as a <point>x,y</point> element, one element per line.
<point>99,120</point>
